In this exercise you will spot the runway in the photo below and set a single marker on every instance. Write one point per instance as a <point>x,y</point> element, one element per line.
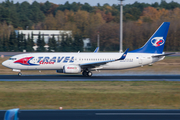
<point>98,77</point>
<point>97,114</point>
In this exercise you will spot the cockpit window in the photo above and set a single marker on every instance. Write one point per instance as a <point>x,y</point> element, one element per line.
<point>12,58</point>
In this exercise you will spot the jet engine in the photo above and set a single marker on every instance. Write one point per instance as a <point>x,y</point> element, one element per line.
<point>71,69</point>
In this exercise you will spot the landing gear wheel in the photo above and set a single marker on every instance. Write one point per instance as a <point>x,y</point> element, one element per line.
<point>84,73</point>
<point>19,74</point>
<point>87,73</point>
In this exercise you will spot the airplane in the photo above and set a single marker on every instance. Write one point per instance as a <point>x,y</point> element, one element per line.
<point>85,63</point>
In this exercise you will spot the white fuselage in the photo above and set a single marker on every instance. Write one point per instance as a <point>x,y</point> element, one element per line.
<point>56,61</point>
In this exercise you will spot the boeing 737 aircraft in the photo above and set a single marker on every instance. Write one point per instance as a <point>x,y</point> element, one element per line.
<point>73,63</point>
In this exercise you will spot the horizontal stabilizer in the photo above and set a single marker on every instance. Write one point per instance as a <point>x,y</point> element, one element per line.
<point>164,54</point>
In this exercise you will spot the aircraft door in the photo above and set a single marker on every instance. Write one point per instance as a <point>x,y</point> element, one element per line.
<point>140,60</point>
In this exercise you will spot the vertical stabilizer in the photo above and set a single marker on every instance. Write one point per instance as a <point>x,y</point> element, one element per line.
<point>156,42</point>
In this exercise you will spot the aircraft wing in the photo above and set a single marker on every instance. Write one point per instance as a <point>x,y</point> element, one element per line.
<point>96,64</point>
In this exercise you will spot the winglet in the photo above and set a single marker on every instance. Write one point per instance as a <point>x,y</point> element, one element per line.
<point>96,50</point>
<point>124,55</point>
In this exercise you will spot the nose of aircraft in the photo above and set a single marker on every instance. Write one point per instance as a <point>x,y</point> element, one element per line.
<point>5,63</point>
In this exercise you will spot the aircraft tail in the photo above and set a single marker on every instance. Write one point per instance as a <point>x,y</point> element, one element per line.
<point>96,50</point>
<point>156,42</point>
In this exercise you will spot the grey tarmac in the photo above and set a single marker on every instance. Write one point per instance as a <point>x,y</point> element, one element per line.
<point>97,77</point>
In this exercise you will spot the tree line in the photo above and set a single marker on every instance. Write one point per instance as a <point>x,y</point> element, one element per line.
<point>140,21</point>
<point>18,43</point>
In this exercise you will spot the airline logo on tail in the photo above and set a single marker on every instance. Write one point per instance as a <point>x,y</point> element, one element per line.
<point>157,41</point>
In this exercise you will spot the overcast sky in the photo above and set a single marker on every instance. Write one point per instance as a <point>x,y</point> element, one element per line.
<point>94,2</point>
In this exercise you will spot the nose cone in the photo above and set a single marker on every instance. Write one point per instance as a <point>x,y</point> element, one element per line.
<point>5,63</point>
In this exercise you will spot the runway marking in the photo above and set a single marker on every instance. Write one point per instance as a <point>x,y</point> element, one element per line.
<point>137,113</point>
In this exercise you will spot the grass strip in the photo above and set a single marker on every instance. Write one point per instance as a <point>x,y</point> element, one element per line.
<point>90,95</point>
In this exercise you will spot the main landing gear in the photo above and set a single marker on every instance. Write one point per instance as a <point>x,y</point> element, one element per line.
<point>87,73</point>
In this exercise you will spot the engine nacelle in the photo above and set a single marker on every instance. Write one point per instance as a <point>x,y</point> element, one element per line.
<point>71,69</point>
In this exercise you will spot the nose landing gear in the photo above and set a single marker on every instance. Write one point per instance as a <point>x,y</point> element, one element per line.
<point>19,74</point>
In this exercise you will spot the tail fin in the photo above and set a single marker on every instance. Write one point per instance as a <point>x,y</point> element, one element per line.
<point>156,42</point>
<point>96,50</point>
